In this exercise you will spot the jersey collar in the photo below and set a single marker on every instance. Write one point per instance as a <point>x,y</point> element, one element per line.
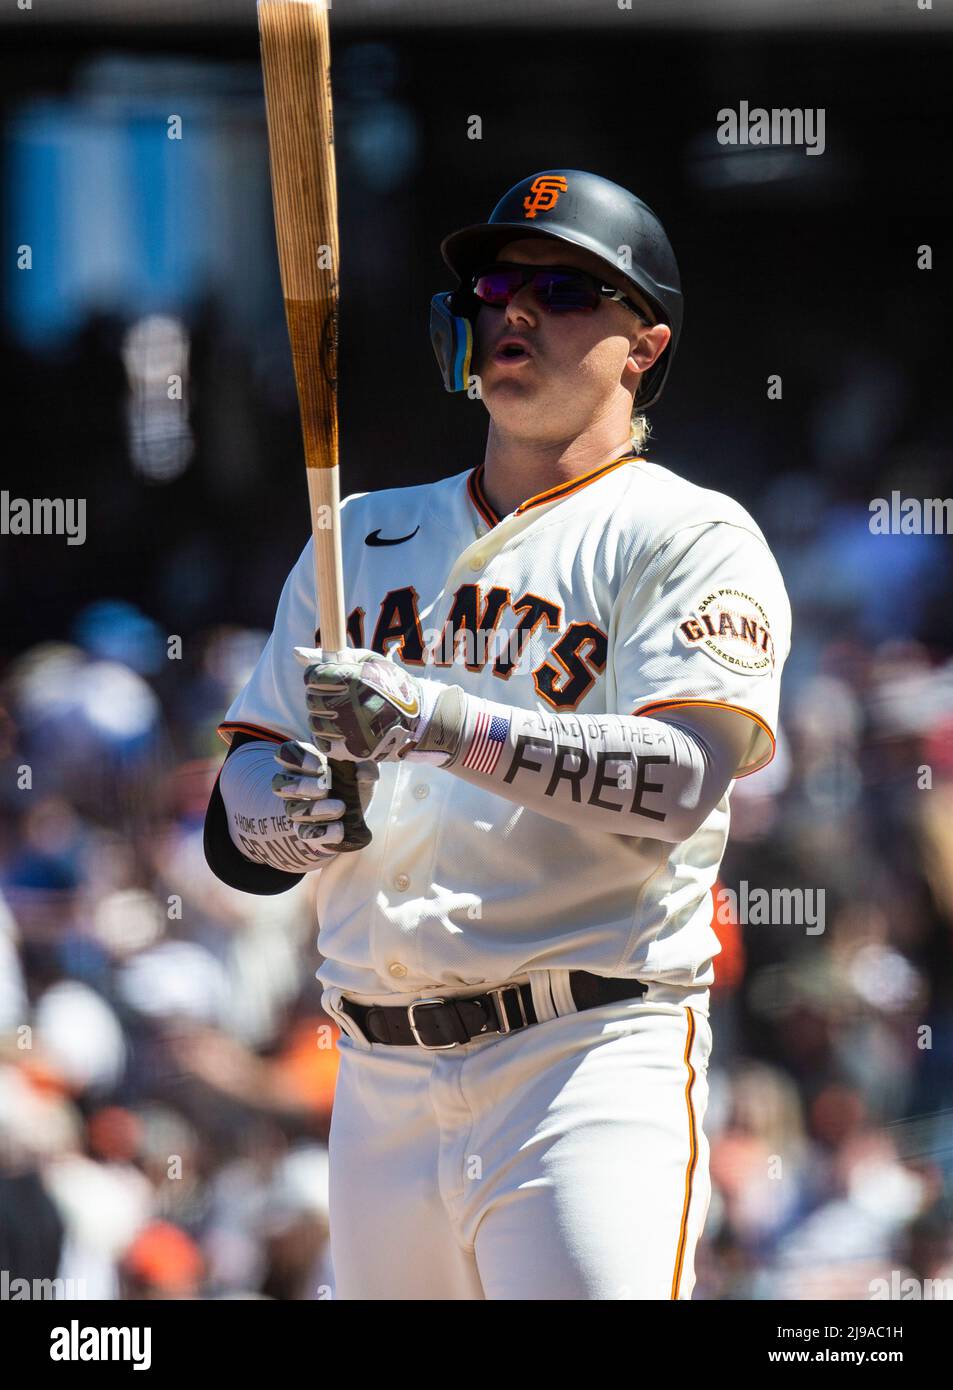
<point>554,494</point>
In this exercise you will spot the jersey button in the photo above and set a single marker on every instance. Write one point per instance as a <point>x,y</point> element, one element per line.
<point>397,969</point>
<point>421,790</point>
<point>477,562</point>
<point>402,882</point>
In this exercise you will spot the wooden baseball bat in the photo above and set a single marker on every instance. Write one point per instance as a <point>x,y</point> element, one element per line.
<point>296,62</point>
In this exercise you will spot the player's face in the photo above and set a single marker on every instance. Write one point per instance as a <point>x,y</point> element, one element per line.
<point>575,368</point>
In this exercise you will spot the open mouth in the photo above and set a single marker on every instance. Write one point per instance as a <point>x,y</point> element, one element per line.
<point>511,353</point>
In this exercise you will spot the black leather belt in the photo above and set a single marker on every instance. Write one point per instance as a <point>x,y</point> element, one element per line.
<point>437,1023</point>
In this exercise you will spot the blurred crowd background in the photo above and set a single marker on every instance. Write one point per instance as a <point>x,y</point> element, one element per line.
<point>166,1073</point>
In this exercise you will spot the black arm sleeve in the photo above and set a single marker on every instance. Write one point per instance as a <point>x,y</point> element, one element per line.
<point>223,857</point>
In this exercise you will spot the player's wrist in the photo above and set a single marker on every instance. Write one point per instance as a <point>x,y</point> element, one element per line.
<point>441,724</point>
<point>429,693</point>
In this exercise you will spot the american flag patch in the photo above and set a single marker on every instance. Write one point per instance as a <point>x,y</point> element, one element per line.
<point>487,743</point>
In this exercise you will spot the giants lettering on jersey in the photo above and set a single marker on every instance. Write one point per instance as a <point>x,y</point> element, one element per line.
<point>733,628</point>
<point>473,635</point>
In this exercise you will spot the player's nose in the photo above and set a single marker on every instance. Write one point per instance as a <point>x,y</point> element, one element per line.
<point>522,308</point>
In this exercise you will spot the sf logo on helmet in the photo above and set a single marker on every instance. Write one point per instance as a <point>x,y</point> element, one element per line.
<point>545,190</point>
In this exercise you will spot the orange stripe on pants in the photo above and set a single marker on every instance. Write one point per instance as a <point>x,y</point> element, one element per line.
<point>692,1160</point>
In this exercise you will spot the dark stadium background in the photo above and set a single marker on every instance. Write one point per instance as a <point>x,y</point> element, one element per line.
<point>794,265</point>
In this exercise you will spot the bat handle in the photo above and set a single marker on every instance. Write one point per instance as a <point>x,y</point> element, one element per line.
<point>344,786</point>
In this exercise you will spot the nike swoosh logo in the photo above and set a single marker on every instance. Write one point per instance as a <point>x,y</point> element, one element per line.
<point>375,538</point>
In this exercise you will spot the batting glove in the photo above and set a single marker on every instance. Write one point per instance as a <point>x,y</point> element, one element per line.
<point>361,705</point>
<point>305,784</point>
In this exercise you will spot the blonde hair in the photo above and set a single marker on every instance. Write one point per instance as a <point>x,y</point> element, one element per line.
<point>639,428</point>
<point>639,431</point>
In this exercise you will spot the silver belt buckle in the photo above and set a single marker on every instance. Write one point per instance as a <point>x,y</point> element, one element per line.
<point>501,1007</point>
<point>431,1047</point>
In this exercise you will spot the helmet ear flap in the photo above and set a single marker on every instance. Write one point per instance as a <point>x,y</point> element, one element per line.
<point>451,334</point>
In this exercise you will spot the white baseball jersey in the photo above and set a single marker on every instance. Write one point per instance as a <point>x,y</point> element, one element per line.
<point>630,591</point>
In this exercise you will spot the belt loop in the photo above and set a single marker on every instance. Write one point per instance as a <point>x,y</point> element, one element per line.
<point>562,992</point>
<point>543,1002</point>
<point>330,1003</point>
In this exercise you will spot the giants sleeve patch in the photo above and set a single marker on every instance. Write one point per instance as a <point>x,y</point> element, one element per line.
<point>732,627</point>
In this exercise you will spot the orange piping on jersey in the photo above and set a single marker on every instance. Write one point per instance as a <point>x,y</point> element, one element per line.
<point>572,485</point>
<point>566,489</point>
<point>656,705</point>
<point>692,1158</point>
<point>478,497</point>
<point>224,729</point>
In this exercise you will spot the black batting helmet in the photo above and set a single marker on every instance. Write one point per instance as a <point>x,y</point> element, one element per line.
<point>579,209</point>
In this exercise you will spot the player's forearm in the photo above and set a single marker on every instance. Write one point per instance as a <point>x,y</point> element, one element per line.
<point>624,774</point>
<point>257,821</point>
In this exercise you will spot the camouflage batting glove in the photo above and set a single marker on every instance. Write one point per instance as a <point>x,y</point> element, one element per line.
<point>361,704</point>
<point>305,785</point>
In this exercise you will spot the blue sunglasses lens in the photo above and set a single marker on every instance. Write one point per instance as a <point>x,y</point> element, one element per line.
<point>559,291</point>
<point>556,290</point>
<point>497,286</point>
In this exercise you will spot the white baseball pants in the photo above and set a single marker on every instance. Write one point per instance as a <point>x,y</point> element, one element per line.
<point>563,1161</point>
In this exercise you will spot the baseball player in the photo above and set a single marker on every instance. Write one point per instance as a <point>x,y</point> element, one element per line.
<point>560,661</point>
